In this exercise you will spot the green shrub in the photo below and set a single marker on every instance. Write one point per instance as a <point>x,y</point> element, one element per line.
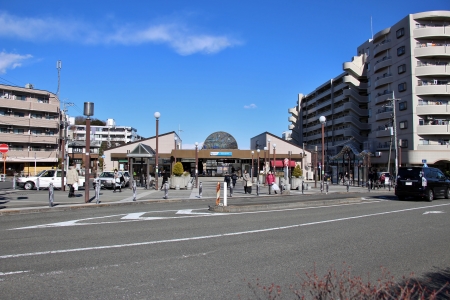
<point>178,169</point>
<point>297,171</point>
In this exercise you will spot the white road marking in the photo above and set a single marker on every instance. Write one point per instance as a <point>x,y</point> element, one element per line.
<point>12,273</point>
<point>433,212</point>
<point>215,235</point>
<point>189,212</point>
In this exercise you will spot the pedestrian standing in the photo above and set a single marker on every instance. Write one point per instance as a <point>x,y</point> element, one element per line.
<point>247,182</point>
<point>72,177</point>
<point>117,182</point>
<point>270,179</point>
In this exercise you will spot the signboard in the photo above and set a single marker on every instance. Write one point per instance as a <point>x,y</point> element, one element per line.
<point>424,161</point>
<point>220,153</point>
<point>4,148</point>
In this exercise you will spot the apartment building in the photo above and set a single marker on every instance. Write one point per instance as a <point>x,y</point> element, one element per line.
<point>408,62</point>
<point>29,125</point>
<point>111,133</point>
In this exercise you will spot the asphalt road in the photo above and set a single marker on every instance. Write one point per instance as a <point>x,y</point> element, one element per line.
<point>183,251</point>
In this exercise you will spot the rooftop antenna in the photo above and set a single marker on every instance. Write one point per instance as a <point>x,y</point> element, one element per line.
<point>179,131</point>
<point>371,27</point>
<point>58,66</point>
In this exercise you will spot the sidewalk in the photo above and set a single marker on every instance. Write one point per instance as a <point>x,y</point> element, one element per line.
<point>23,201</point>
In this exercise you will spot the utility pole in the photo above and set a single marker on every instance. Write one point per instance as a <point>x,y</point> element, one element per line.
<point>64,141</point>
<point>395,131</point>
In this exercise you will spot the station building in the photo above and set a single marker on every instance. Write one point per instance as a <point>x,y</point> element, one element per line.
<point>218,155</point>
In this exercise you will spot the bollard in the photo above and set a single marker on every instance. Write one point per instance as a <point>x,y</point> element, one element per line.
<point>231,190</point>
<point>281,189</point>
<point>348,185</point>
<point>166,191</point>
<point>50,194</point>
<point>200,190</point>
<point>257,188</point>
<point>97,190</point>
<point>218,194</point>
<point>368,185</point>
<point>225,194</point>
<point>303,187</point>
<point>14,182</point>
<point>37,184</point>
<point>321,187</point>
<point>134,190</point>
<point>327,188</point>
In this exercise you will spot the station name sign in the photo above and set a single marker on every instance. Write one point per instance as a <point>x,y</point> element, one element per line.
<point>221,153</point>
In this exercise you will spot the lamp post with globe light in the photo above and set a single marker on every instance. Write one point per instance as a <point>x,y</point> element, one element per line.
<point>196,164</point>
<point>322,120</point>
<point>157,115</point>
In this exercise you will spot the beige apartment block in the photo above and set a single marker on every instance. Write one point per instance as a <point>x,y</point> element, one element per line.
<point>29,125</point>
<point>405,67</point>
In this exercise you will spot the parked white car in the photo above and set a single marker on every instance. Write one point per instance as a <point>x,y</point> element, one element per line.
<point>44,177</point>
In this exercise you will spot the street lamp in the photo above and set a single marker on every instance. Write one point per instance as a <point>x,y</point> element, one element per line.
<point>268,155</point>
<point>253,152</point>
<point>174,154</point>
<point>88,112</point>
<point>196,164</point>
<point>274,167</point>
<point>322,120</point>
<point>257,174</point>
<point>265,165</point>
<point>157,115</point>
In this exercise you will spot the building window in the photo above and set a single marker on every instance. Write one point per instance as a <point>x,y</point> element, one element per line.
<point>402,87</point>
<point>36,116</point>
<point>36,132</point>
<point>19,114</point>
<point>401,50</point>
<point>403,124</point>
<point>402,105</point>
<point>4,130</point>
<point>368,66</point>
<point>370,112</point>
<point>49,132</point>
<point>400,32</point>
<point>401,69</point>
<point>18,131</point>
<point>368,82</point>
<point>403,143</point>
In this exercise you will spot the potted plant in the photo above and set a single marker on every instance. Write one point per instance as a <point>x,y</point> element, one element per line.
<point>296,178</point>
<point>176,178</point>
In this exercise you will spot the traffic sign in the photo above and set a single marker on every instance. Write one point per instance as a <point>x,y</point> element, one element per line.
<point>4,148</point>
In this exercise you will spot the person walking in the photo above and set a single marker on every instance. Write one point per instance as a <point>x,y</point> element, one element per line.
<point>164,178</point>
<point>247,181</point>
<point>270,179</point>
<point>234,178</point>
<point>227,179</point>
<point>72,177</point>
<point>117,182</point>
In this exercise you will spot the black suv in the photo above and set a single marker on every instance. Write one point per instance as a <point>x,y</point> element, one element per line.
<point>428,183</point>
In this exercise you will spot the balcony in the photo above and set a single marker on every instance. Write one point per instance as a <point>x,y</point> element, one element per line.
<point>293,111</point>
<point>433,147</point>
<point>383,46</point>
<point>383,97</point>
<point>356,66</point>
<point>292,119</point>
<point>383,116</point>
<point>291,126</point>
<point>383,80</point>
<point>429,50</point>
<point>354,95</point>
<point>432,129</point>
<point>29,155</point>
<point>433,109</point>
<point>383,133</point>
<point>442,89</point>
<point>429,70</point>
<point>383,63</point>
<point>429,31</point>
<point>29,105</point>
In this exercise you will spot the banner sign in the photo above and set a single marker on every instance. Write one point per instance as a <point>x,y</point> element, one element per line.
<point>221,153</point>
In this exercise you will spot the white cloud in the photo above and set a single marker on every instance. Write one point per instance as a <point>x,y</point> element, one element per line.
<point>180,38</point>
<point>11,61</point>
<point>251,106</point>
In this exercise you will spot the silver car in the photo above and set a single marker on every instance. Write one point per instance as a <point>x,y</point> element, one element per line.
<point>107,179</point>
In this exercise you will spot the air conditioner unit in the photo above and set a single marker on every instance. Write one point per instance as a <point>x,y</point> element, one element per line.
<point>9,110</point>
<point>48,146</point>
<point>377,154</point>
<point>400,142</point>
<point>10,128</point>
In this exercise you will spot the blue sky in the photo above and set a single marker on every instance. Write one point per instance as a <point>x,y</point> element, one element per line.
<point>206,66</point>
